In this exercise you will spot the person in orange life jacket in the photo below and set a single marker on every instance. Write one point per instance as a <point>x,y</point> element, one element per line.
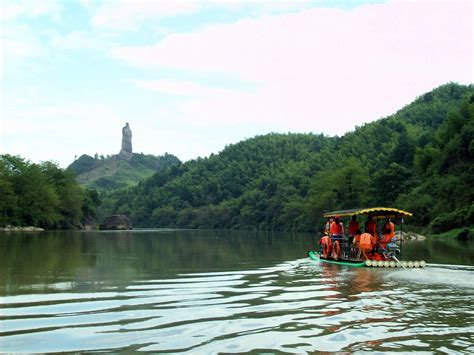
<point>325,243</point>
<point>353,227</point>
<point>355,243</point>
<point>356,240</point>
<point>336,229</point>
<point>386,238</point>
<point>371,226</point>
<point>328,225</point>
<point>367,242</point>
<point>389,225</point>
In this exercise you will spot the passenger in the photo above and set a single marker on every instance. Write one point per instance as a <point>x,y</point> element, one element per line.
<point>336,229</point>
<point>386,238</point>
<point>353,228</point>
<point>325,243</point>
<point>371,226</point>
<point>366,244</point>
<point>328,225</point>
<point>355,243</point>
<point>389,225</point>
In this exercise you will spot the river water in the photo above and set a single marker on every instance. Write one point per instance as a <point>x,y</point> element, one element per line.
<point>226,292</point>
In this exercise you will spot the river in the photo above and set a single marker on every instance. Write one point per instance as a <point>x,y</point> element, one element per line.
<point>226,292</point>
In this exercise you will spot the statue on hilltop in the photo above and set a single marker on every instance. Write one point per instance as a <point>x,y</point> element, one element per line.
<point>126,151</point>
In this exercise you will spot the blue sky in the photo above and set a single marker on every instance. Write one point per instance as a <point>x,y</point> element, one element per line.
<point>192,77</point>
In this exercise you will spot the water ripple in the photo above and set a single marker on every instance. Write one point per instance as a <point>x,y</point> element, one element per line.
<point>296,306</point>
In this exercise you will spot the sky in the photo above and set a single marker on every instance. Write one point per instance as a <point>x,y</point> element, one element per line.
<point>191,77</point>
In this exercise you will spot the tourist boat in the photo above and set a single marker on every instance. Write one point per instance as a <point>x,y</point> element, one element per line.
<point>388,255</point>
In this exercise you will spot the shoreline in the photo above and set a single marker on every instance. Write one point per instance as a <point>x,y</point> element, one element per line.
<point>21,229</point>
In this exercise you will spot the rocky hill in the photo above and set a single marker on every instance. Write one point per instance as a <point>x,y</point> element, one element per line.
<point>116,172</point>
<point>121,170</point>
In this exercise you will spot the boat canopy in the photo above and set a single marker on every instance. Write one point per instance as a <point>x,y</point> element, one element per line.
<point>379,212</point>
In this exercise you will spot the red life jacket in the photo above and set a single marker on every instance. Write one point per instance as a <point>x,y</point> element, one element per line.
<point>336,228</point>
<point>353,227</point>
<point>372,227</point>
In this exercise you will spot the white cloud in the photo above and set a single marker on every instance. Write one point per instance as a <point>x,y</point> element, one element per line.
<point>78,40</point>
<point>18,43</point>
<point>129,14</point>
<point>133,14</point>
<point>183,88</point>
<point>322,69</point>
<point>12,9</point>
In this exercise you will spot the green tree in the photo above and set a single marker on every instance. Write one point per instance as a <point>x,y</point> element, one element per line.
<point>37,198</point>
<point>389,183</point>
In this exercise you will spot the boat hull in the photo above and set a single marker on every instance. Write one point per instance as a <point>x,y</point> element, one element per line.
<point>369,263</point>
<point>315,256</point>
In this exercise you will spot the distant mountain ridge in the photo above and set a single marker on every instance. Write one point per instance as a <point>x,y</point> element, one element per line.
<point>115,172</point>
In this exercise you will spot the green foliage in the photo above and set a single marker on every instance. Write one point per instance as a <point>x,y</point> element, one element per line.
<point>41,195</point>
<point>451,220</point>
<point>419,159</point>
<point>343,186</point>
<point>389,183</point>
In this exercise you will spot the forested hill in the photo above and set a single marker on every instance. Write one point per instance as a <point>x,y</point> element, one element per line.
<point>419,159</point>
<point>114,172</point>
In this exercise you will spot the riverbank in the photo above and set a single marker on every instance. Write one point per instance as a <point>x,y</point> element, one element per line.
<point>21,229</point>
<point>466,233</point>
<point>409,236</point>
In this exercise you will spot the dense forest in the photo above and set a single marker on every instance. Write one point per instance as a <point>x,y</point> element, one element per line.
<point>43,195</point>
<point>419,159</point>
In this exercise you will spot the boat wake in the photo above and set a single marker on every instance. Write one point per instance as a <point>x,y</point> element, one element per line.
<point>437,274</point>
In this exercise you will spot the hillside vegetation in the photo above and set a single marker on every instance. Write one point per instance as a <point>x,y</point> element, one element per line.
<point>112,173</point>
<point>43,195</point>
<point>419,159</point>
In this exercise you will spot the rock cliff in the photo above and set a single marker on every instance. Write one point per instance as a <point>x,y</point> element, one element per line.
<point>126,151</point>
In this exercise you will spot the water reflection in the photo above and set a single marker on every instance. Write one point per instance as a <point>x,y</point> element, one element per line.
<point>211,292</point>
<point>35,259</point>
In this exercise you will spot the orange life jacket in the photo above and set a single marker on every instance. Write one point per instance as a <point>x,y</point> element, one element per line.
<point>366,240</point>
<point>386,238</point>
<point>391,227</point>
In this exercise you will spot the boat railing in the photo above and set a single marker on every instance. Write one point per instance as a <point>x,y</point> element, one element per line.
<point>349,250</point>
